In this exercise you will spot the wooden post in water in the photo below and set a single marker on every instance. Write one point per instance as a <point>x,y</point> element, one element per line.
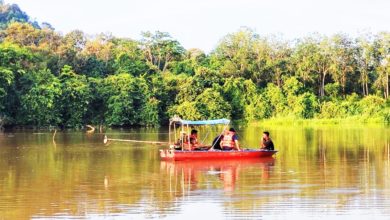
<point>54,135</point>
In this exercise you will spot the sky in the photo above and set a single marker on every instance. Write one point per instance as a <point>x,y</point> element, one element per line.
<point>202,23</point>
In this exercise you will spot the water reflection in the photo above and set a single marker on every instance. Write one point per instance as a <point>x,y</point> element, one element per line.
<point>227,172</point>
<point>319,171</point>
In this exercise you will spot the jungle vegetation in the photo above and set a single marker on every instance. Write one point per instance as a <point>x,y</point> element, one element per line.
<point>70,80</point>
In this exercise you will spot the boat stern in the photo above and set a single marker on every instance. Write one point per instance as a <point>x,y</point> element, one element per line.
<point>167,154</point>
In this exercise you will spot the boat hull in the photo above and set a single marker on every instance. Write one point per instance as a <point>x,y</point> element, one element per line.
<point>207,155</point>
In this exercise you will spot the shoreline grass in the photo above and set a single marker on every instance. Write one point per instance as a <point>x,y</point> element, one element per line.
<point>320,121</point>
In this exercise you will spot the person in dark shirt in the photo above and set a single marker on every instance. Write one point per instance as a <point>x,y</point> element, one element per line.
<point>266,142</point>
<point>217,142</point>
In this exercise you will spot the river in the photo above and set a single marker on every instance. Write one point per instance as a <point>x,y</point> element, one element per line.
<point>320,172</point>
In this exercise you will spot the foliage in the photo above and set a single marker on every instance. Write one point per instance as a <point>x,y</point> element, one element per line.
<point>277,100</point>
<point>128,101</point>
<point>371,105</point>
<point>76,95</point>
<point>259,108</point>
<point>306,106</point>
<point>211,104</point>
<point>38,104</point>
<point>47,78</point>
<point>11,13</point>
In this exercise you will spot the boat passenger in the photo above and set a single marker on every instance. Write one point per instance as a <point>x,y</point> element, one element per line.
<point>230,140</point>
<point>216,144</point>
<point>183,141</point>
<point>266,142</point>
<point>195,145</point>
<point>183,138</point>
<point>194,137</point>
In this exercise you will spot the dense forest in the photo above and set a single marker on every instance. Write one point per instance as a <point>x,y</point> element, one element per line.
<point>70,80</point>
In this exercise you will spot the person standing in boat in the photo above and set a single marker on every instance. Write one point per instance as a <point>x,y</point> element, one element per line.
<point>266,142</point>
<point>230,140</point>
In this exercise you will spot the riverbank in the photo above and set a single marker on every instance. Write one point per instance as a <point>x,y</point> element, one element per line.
<point>379,120</point>
<point>321,121</point>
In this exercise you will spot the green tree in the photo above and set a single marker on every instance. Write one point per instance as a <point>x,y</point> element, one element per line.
<point>160,49</point>
<point>306,105</point>
<point>277,100</point>
<point>258,108</point>
<point>371,105</point>
<point>333,90</point>
<point>187,110</point>
<point>38,104</point>
<point>312,61</point>
<point>239,93</point>
<point>279,61</point>
<point>75,98</point>
<point>366,62</point>
<point>331,110</point>
<point>235,52</point>
<point>211,105</point>
<point>6,80</point>
<point>343,62</point>
<point>383,68</point>
<point>128,57</point>
<point>14,63</point>
<point>26,35</point>
<point>127,98</point>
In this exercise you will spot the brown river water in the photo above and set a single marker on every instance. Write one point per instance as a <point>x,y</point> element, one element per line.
<point>320,172</point>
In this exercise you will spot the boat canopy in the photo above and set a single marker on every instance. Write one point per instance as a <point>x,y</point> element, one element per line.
<point>207,122</point>
<point>178,120</point>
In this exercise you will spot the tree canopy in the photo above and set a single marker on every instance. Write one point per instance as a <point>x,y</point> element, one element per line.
<point>51,79</point>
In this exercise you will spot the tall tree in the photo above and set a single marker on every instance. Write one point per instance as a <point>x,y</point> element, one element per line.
<point>75,98</point>
<point>38,103</point>
<point>128,57</point>
<point>383,69</point>
<point>235,52</point>
<point>312,61</point>
<point>366,62</point>
<point>279,60</point>
<point>343,59</point>
<point>160,49</point>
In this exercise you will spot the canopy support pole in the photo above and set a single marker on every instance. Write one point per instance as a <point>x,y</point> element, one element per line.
<point>169,138</point>
<point>189,137</point>
<point>223,131</point>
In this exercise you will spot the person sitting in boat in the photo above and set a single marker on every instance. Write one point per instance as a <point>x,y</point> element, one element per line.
<point>194,137</point>
<point>216,144</point>
<point>266,142</point>
<point>195,145</point>
<point>183,138</point>
<point>182,142</point>
<point>230,140</point>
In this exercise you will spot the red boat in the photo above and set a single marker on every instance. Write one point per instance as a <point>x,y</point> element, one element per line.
<point>217,154</point>
<point>180,149</point>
